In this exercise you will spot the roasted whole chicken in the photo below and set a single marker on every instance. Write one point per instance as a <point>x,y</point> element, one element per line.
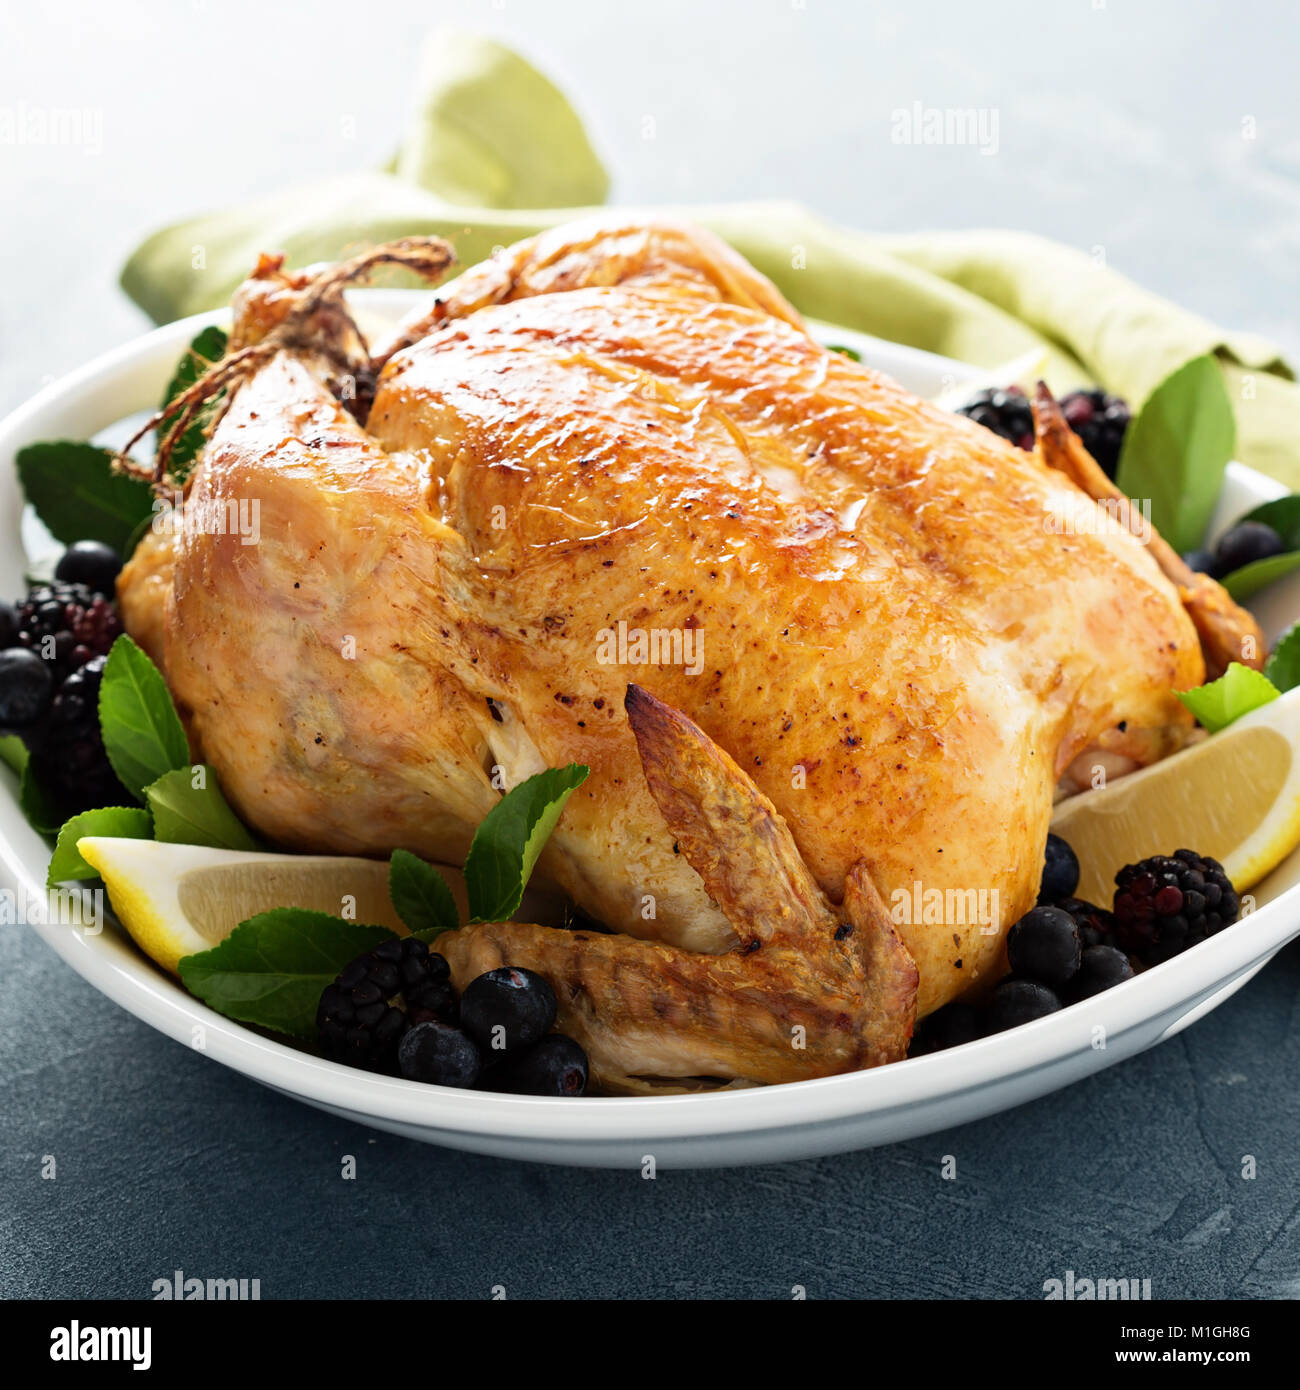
<point>826,648</point>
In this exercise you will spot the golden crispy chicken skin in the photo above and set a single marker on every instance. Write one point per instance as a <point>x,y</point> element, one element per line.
<point>613,455</point>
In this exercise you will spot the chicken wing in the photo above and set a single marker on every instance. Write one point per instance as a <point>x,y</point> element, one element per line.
<point>810,991</point>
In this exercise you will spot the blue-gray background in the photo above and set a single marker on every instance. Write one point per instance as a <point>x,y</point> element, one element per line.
<point>1121,126</point>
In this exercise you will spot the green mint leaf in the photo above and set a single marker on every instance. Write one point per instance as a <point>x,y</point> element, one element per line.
<point>121,822</point>
<point>506,845</point>
<point>1283,667</point>
<point>1176,450</point>
<point>421,896</point>
<point>13,752</point>
<point>142,732</point>
<point>1283,515</point>
<point>1259,574</point>
<point>271,969</point>
<point>37,804</point>
<point>185,814</point>
<point>843,351</point>
<point>78,496</point>
<point>207,348</point>
<point>1238,691</point>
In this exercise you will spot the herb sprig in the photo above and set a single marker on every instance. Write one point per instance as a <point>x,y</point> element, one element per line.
<point>1177,448</point>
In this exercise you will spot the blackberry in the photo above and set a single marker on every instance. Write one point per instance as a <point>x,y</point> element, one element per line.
<point>1005,411</point>
<point>364,1015</point>
<point>66,624</point>
<point>1166,903</point>
<point>1101,421</point>
<point>1096,924</point>
<point>68,758</point>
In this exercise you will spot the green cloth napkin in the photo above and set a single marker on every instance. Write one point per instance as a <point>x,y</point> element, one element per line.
<point>494,152</point>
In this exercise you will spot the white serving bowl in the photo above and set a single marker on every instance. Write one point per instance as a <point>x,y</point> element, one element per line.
<point>759,1125</point>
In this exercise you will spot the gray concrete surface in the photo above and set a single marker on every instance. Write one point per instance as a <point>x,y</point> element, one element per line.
<point>1121,125</point>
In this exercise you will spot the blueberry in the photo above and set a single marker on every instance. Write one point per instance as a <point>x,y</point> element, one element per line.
<point>507,1009</point>
<point>1060,871</point>
<point>1019,1001</point>
<point>438,1055</point>
<point>1246,542</point>
<point>26,688</point>
<point>1044,945</point>
<point>1203,562</point>
<point>949,1026</point>
<point>556,1066</point>
<point>91,563</point>
<point>8,624</point>
<point>1101,967</point>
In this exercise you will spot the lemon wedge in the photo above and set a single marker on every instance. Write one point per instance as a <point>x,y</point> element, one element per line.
<point>178,899</point>
<point>1235,796</point>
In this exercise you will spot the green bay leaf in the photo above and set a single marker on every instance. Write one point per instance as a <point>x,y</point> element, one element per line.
<point>1283,666</point>
<point>77,495</point>
<point>507,843</point>
<point>271,969</point>
<point>186,814</point>
<point>13,752</point>
<point>207,348</point>
<point>1259,574</point>
<point>1176,451</point>
<point>142,732</point>
<point>121,822</point>
<point>38,804</point>
<point>421,896</point>
<point>1283,515</point>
